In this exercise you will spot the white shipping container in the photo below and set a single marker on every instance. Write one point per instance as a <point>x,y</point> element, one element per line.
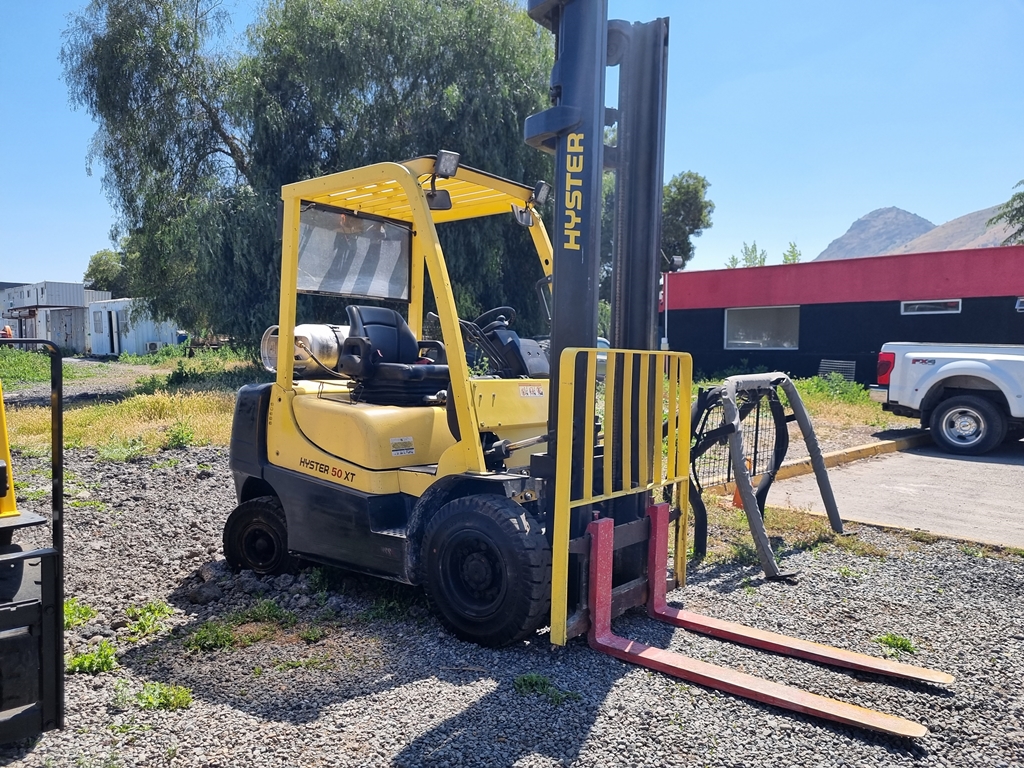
<point>115,329</point>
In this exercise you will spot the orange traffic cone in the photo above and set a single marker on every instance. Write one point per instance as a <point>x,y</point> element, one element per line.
<point>736,500</point>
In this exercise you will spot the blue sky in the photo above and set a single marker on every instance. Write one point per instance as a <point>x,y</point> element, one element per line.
<point>804,116</point>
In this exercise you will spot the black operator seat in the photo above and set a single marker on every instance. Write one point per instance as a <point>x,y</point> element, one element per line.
<point>383,355</point>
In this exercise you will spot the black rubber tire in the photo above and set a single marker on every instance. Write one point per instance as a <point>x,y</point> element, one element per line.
<point>967,425</point>
<point>486,568</point>
<point>256,538</point>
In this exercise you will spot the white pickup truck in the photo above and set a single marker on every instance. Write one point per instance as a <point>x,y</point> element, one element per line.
<point>970,395</point>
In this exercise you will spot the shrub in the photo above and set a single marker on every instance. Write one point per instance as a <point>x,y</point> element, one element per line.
<point>180,435</point>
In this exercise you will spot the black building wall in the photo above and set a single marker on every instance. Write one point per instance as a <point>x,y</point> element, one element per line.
<point>854,331</point>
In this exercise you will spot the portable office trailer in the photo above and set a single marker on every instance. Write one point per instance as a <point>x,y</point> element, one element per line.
<point>115,328</point>
<point>791,317</point>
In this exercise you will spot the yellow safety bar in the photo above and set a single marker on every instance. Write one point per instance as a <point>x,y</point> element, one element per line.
<point>643,391</point>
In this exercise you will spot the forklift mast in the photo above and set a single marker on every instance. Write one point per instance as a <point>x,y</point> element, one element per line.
<point>586,44</point>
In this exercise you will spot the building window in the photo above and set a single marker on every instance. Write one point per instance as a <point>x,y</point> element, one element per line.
<point>762,328</point>
<point>97,322</point>
<point>937,307</point>
<point>1020,304</point>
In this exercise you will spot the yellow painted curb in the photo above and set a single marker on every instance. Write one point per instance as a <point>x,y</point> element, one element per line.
<point>834,458</point>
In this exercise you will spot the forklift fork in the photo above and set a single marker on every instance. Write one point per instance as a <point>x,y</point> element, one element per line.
<point>603,639</point>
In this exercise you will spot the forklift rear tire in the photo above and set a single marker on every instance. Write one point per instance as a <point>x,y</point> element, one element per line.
<point>256,538</point>
<point>486,568</point>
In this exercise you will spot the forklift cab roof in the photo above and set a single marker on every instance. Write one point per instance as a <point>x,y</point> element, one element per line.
<point>379,193</point>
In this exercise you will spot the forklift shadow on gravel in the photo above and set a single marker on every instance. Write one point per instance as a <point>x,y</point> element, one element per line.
<point>372,654</point>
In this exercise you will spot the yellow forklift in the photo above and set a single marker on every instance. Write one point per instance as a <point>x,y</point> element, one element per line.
<point>32,586</point>
<point>517,491</point>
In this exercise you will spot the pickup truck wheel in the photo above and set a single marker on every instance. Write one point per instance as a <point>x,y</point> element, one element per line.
<point>967,425</point>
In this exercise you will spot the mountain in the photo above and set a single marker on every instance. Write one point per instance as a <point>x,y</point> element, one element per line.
<point>877,233</point>
<point>970,231</point>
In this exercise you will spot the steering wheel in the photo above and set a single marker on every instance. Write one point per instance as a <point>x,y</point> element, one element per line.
<point>492,319</point>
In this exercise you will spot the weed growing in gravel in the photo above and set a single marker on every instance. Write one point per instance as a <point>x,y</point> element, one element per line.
<point>122,698</point>
<point>534,682</point>
<point>241,629</point>
<point>113,760</point>
<point>156,695</point>
<point>76,613</point>
<point>924,537</point>
<point>848,573</point>
<point>266,612</point>
<point>896,643</point>
<point>146,619</point>
<point>180,435</point>
<point>857,546</point>
<point>210,636</point>
<point>313,634</point>
<point>102,659</point>
<point>118,449</point>
<point>32,495</point>
<point>972,551</point>
<point>382,609</point>
<point>130,726</point>
<point>166,464</point>
<point>313,662</point>
<point>99,506</point>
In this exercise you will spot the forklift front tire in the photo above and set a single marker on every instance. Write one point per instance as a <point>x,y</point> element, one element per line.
<point>256,538</point>
<point>487,570</point>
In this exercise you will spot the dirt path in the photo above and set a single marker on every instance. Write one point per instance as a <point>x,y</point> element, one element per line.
<point>98,379</point>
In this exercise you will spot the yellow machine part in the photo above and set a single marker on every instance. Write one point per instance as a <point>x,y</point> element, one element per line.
<point>374,436</point>
<point>8,508</point>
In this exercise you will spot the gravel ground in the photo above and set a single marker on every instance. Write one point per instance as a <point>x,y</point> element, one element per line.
<point>386,686</point>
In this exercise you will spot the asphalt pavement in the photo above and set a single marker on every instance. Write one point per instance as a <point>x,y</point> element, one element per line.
<point>978,498</point>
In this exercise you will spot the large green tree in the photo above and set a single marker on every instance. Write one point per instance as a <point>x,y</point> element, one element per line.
<point>195,140</point>
<point>107,271</point>
<point>685,213</point>
<point>1011,213</point>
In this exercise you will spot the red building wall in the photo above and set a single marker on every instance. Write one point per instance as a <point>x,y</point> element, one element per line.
<point>971,273</point>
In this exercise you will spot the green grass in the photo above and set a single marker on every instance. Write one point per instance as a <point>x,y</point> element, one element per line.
<point>535,683</point>
<point>896,643</point>
<point>101,659</point>
<point>146,619</point>
<point>19,367</point>
<point>156,695</point>
<point>76,613</point>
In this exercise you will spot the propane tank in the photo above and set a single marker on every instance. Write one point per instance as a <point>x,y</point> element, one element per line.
<point>324,341</point>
